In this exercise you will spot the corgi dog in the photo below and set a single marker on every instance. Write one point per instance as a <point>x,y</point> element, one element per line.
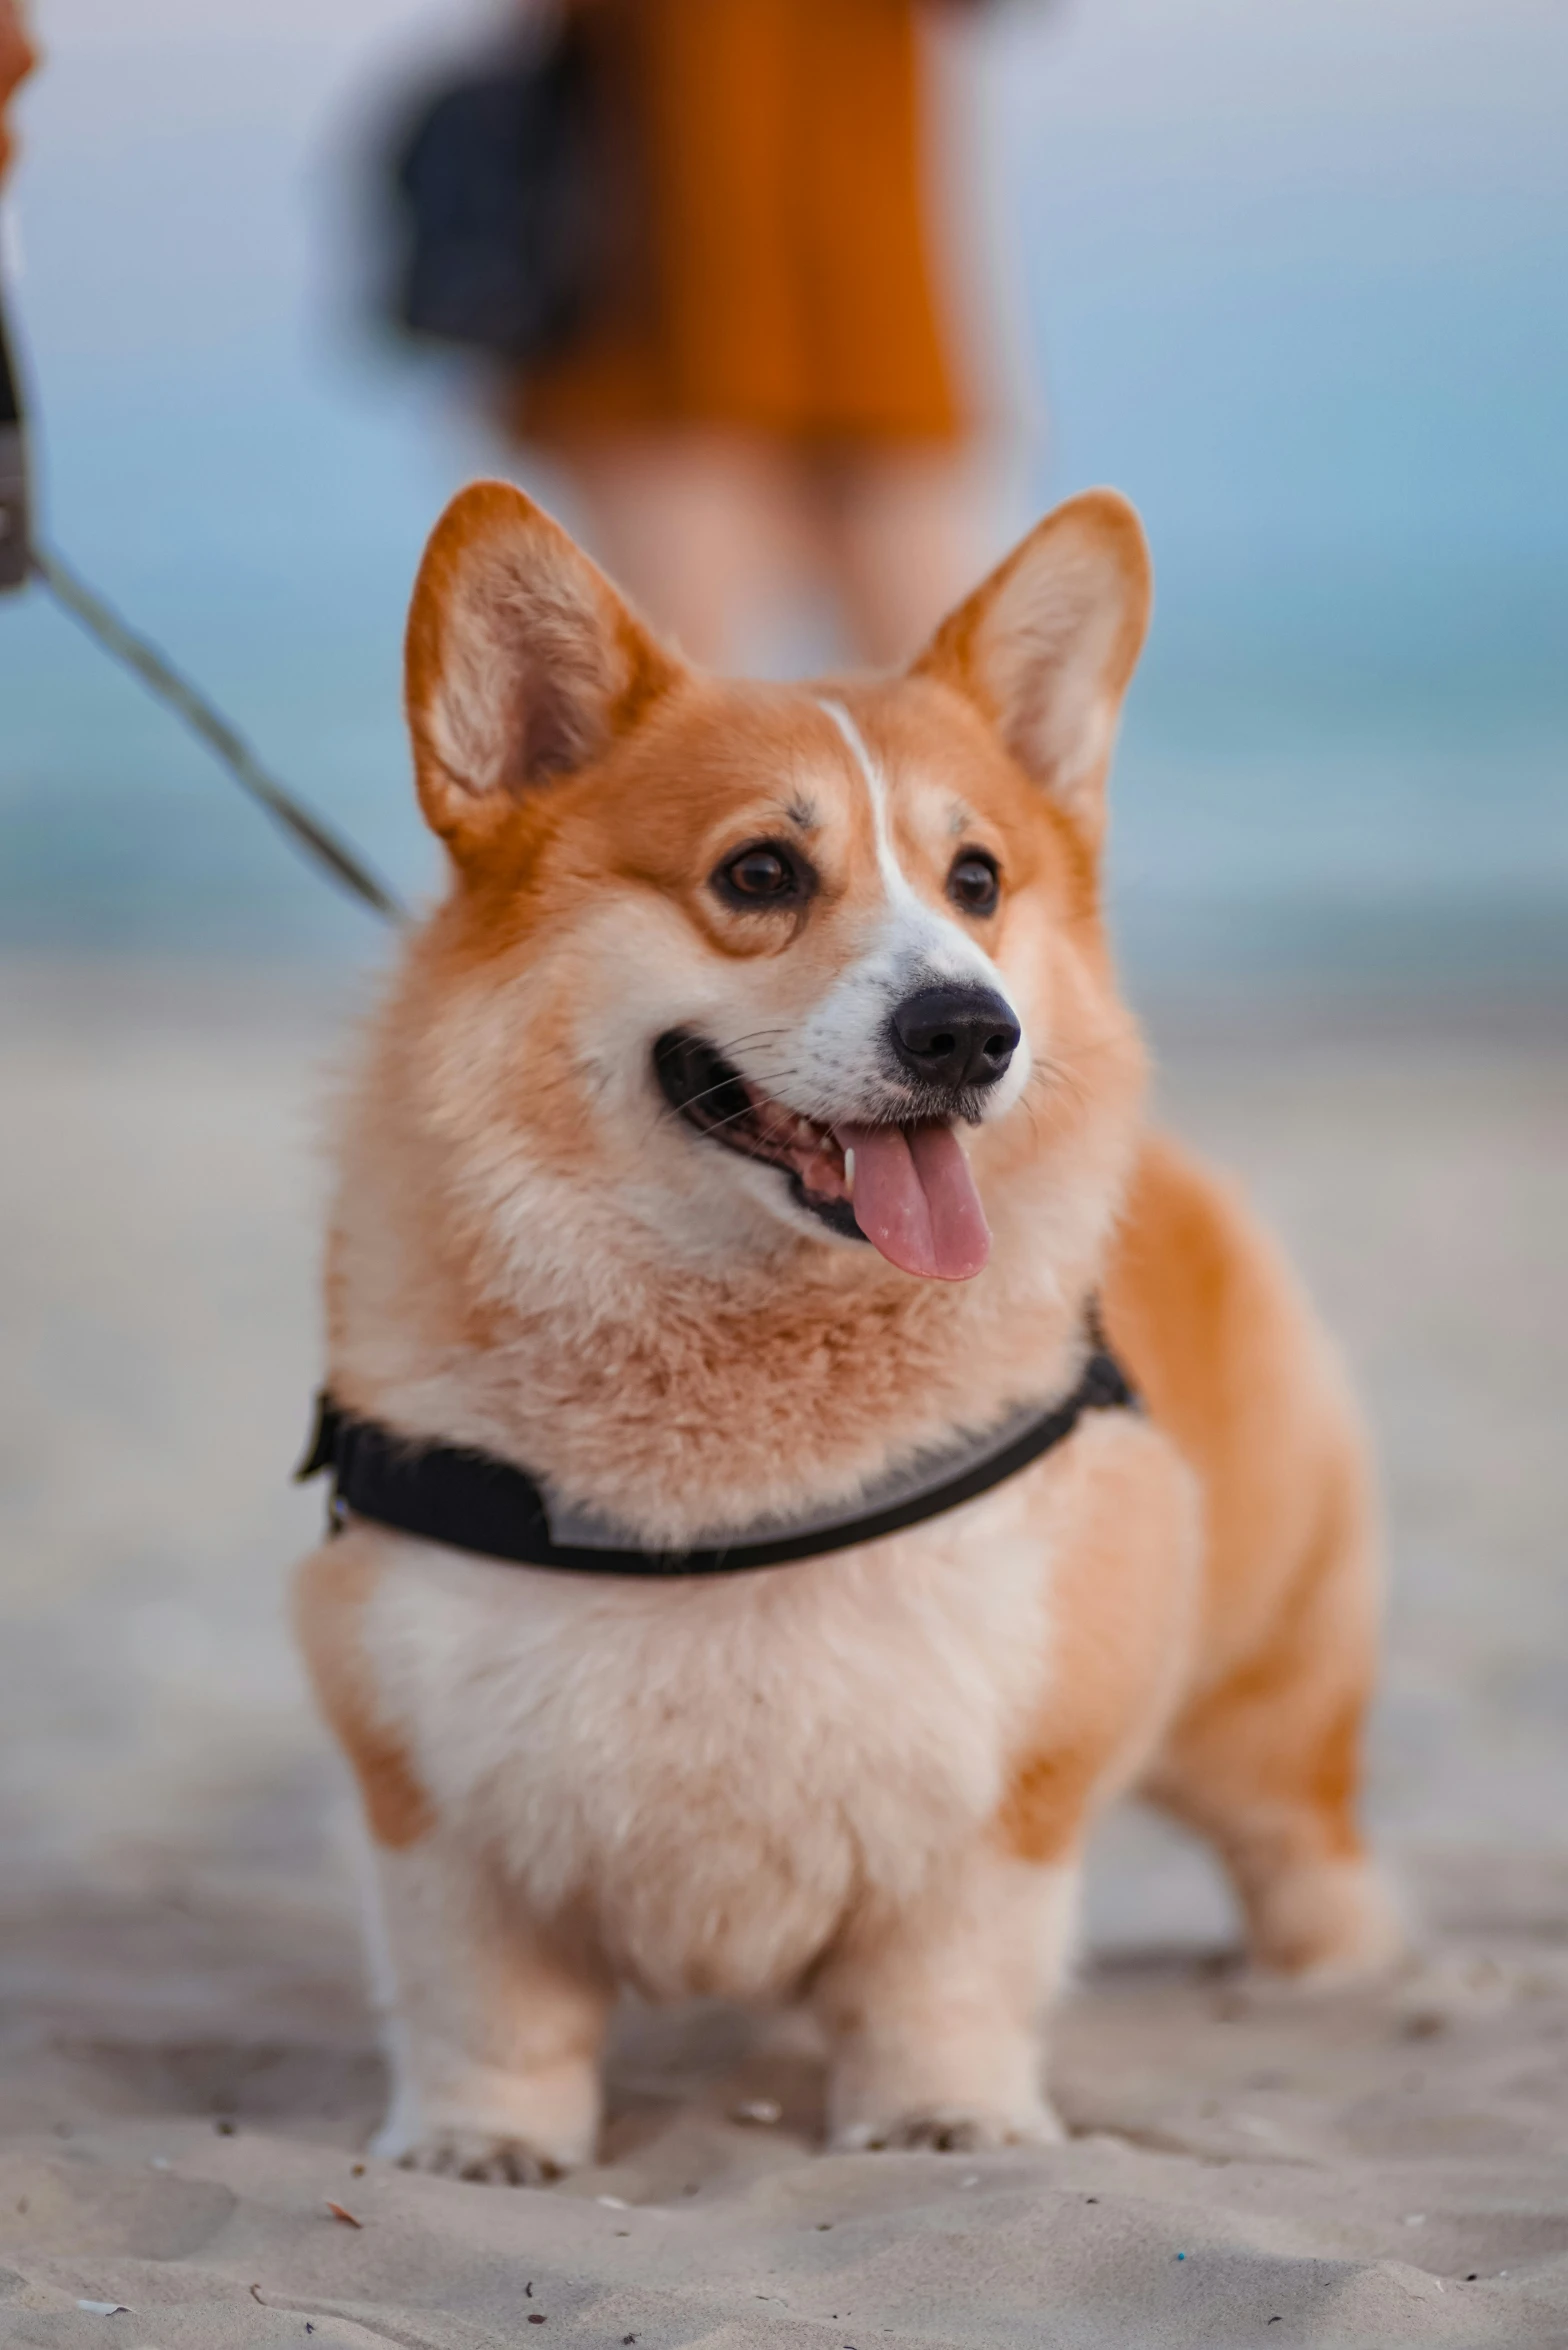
<point>756,1116</point>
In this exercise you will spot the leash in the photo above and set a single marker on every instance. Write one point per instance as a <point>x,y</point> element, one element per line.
<point>22,558</point>
<point>157,673</point>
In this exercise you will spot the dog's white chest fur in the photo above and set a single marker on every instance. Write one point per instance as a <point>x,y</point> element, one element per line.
<point>709,1773</point>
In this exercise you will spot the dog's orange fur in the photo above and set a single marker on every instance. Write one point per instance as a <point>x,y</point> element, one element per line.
<point>1265,1753</point>
<point>331,1599</point>
<point>532,1255</point>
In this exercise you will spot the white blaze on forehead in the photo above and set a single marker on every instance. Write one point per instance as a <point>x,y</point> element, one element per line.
<point>893,878</point>
<point>916,933</point>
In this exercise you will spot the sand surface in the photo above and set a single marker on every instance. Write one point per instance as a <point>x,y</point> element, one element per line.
<point>189,2070</point>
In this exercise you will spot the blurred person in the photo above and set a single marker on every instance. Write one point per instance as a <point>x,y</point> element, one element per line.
<point>17,59</point>
<point>770,387</point>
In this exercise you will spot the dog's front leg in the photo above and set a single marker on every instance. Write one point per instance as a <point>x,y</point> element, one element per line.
<point>936,2009</point>
<point>493,2030</point>
<point>493,2027</point>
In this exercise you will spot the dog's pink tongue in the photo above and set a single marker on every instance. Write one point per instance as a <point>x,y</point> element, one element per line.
<point>916,1201</point>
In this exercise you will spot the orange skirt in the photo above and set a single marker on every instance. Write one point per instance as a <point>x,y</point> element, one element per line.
<point>781,284</point>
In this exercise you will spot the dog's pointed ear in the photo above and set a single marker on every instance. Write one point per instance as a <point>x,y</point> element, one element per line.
<point>523,663</point>
<point>1046,646</point>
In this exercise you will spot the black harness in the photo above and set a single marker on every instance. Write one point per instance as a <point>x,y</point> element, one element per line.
<point>472,1501</point>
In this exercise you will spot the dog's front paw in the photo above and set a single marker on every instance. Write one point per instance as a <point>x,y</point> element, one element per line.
<point>482,2155</point>
<point>951,2129</point>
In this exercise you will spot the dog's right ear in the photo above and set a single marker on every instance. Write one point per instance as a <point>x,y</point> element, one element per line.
<point>522,663</point>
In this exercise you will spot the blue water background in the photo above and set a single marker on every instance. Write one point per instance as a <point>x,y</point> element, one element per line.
<point>1294,277</point>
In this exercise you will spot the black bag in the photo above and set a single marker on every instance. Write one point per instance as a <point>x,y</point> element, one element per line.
<point>15,533</point>
<point>501,197</point>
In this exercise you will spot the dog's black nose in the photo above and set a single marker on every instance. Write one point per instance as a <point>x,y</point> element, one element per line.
<point>957,1036</point>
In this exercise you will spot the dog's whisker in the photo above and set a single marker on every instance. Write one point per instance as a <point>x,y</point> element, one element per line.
<point>753,1036</point>
<point>774,1077</point>
<point>715,1126</point>
<point>1053,1077</point>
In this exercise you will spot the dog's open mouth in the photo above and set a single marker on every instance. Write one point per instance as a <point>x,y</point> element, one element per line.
<point>906,1189</point>
<point>711,1094</point>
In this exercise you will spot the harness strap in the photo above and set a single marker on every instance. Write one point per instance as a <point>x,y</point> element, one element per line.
<point>472,1501</point>
<point>23,559</point>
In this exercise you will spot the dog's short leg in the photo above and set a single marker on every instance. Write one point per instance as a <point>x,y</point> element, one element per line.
<point>1268,1765</point>
<point>493,2032</point>
<point>938,2007</point>
<point>492,2028</point>
<point>935,2012</point>
<point>1281,1812</point>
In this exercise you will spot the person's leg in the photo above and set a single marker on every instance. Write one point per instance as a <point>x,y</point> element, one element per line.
<point>905,532</point>
<point>713,533</point>
<point>698,527</point>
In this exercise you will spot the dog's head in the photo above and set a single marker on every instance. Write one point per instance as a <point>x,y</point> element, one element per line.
<point>742,966</point>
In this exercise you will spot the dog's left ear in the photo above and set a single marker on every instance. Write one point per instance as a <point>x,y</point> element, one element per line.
<point>1047,645</point>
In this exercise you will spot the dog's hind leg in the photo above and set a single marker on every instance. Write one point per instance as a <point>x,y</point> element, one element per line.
<point>1264,1754</point>
<point>1267,1765</point>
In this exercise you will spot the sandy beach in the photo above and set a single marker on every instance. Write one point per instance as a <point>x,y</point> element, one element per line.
<point>189,2063</point>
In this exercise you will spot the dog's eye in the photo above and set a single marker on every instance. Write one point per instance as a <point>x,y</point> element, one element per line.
<point>974,884</point>
<point>766,874</point>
